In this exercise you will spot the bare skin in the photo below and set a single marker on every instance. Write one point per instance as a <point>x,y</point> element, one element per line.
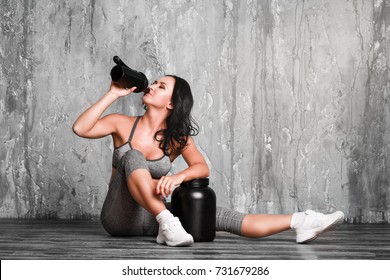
<point>145,190</point>
<point>261,225</point>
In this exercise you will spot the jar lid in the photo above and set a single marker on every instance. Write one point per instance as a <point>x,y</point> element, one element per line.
<point>199,182</point>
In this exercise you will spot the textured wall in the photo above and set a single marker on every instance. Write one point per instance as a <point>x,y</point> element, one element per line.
<point>291,96</point>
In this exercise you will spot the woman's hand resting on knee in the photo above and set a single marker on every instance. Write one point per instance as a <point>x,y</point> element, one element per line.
<point>166,184</point>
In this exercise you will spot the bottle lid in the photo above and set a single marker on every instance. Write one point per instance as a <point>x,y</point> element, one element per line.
<point>199,182</point>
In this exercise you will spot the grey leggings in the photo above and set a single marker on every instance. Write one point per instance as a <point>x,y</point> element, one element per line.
<point>122,216</point>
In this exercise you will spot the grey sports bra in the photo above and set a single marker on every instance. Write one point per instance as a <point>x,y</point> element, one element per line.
<point>157,167</point>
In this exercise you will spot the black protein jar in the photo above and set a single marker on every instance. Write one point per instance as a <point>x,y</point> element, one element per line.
<point>194,203</point>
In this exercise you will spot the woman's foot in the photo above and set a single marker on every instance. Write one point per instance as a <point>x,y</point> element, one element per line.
<point>172,233</point>
<point>310,224</point>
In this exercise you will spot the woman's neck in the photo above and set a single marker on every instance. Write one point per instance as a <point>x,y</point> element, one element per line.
<point>154,119</point>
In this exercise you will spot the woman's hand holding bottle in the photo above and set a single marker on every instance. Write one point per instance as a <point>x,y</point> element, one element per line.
<point>117,91</point>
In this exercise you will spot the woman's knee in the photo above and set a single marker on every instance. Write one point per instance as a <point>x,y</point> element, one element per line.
<point>229,220</point>
<point>133,160</point>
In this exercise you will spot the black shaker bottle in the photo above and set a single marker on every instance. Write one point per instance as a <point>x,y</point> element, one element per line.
<point>194,203</point>
<point>126,77</point>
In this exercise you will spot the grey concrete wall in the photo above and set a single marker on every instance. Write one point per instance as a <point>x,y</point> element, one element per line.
<point>292,98</point>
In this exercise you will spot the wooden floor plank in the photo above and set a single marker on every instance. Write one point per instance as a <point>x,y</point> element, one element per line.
<point>39,239</point>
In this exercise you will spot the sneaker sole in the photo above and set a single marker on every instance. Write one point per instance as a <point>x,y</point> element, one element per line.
<point>159,241</point>
<point>303,239</point>
<point>182,243</point>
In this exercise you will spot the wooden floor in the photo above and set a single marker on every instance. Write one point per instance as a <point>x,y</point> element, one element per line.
<point>37,239</point>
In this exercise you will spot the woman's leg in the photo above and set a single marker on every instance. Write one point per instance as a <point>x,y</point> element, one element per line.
<point>261,225</point>
<point>121,215</point>
<point>308,225</point>
<point>251,225</point>
<point>140,183</point>
<point>142,189</point>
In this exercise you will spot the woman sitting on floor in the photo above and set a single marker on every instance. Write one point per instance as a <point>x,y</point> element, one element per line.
<point>146,146</point>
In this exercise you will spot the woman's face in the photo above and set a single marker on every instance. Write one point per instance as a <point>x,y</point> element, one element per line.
<point>160,93</point>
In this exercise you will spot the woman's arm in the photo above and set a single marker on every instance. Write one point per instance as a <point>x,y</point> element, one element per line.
<point>197,168</point>
<point>90,125</point>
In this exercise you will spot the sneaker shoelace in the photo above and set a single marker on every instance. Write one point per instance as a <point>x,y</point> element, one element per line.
<point>171,225</point>
<point>316,218</point>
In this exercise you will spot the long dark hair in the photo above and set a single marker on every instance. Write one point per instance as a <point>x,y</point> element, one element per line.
<point>180,123</point>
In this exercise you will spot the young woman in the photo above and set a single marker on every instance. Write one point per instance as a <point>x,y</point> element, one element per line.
<point>145,147</point>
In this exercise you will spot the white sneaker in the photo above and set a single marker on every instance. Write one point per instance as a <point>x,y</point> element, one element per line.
<point>316,223</point>
<point>172,233</point>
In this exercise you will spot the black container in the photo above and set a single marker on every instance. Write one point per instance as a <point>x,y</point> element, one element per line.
<point>194,203</point>
<point>127,77</point>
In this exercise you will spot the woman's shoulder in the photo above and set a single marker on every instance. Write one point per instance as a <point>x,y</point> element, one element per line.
<point>123,124</point>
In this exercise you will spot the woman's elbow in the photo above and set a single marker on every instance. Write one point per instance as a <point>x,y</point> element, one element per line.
<point>206,171</point>
<point>77,130</point>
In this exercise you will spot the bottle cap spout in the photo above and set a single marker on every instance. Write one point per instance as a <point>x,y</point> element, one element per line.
<point>118,61</point>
